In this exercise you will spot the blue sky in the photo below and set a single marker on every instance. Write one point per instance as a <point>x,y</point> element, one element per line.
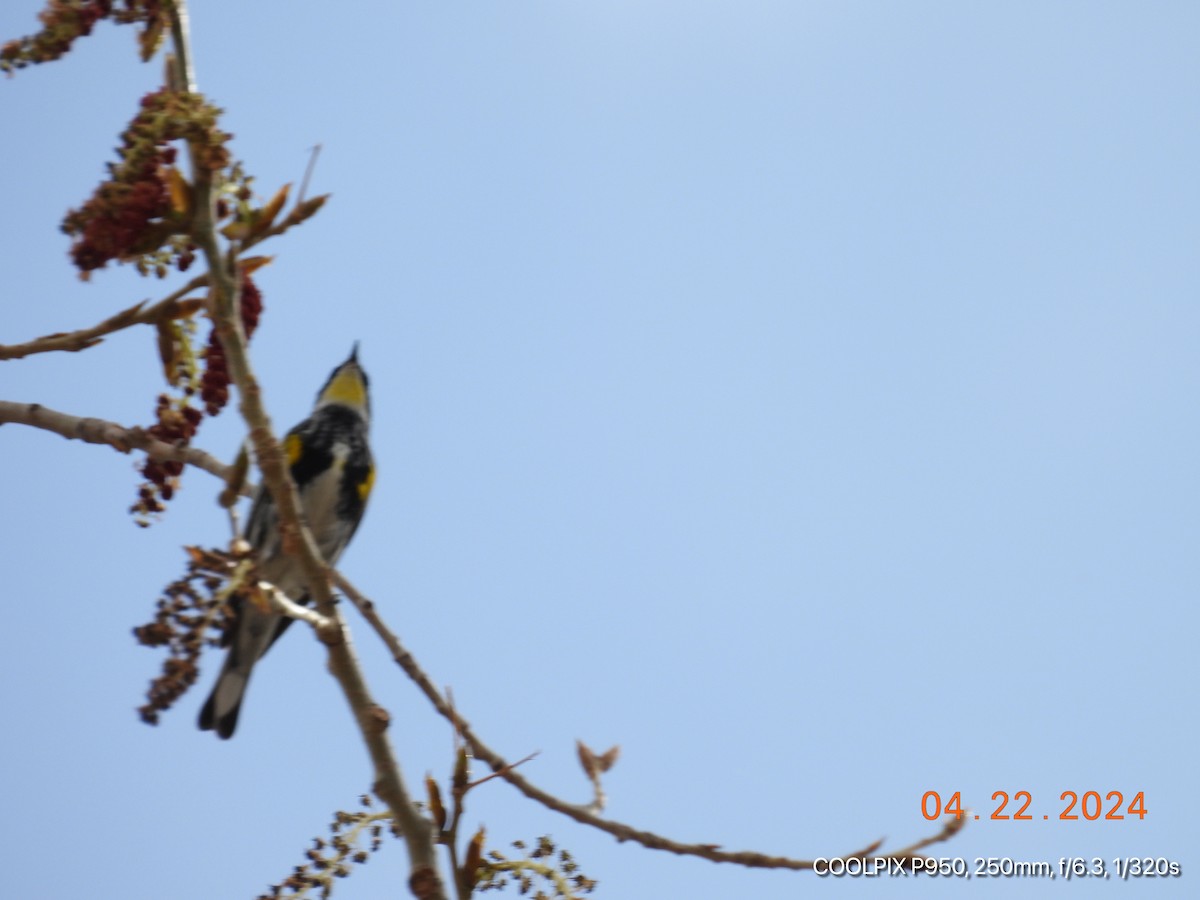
<point>800,395</point>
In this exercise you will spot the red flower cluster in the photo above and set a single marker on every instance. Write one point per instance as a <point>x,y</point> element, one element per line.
<point>62,22</point>
<point>115,222</point>
<point>176,425</point>
<point>188,616</point>
<point>177,421</point>
<point>214,386</point>
<point>141,211</point>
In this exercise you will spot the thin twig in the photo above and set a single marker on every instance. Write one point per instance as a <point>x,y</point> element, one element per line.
<point>500,774</point>
<point>952,827</point>
<point>170,307</point>
<point>101,431</point>
<point>308,170</point>
<point>293,610</point>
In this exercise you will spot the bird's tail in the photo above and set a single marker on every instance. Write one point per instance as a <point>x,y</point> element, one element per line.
<point>220,712</point>
<point>252,634</point>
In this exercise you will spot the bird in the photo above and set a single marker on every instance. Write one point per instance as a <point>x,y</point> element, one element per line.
<point>330,460</point>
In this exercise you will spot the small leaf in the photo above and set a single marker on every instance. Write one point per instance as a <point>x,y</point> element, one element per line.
<point>435,802</point>
<point>150,38</point>
<point>169,338</point>
<point>474,858</point>
<point>266,216</point>
<point>253,263</point>
<point>608,758</point>
<point>180,190</point>
<point>587,759</point>
<point>237,230</point>
<point>309,207</point>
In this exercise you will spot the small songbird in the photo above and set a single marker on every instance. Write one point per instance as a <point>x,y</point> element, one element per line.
<point>330,461</point>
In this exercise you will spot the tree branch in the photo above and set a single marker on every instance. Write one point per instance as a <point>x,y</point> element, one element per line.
<point>101,431</point>
<point>170,307</point>
<point>293,610</point>
<point>418,832</point>
<point>581,814</point>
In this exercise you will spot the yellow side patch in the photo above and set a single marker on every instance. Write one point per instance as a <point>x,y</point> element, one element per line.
<point>364,486</point>
<point>293,448</point>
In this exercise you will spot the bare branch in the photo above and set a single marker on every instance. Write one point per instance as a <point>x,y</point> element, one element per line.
<point>185,75</point>
<point>284,604</point>
<point>170,307</point>
<point>101,431</point>
<point>581,814</point>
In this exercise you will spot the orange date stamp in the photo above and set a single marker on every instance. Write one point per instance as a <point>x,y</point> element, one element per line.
<point>1090,806</point>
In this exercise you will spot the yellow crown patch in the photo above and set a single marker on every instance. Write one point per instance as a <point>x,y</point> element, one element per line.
<point>347,388</point>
